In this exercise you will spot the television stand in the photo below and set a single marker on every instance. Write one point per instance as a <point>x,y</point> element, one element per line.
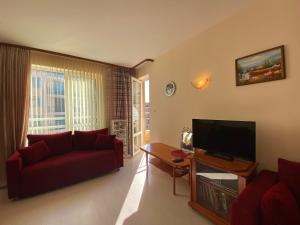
<point>220,155</point>
<point>216,183</point>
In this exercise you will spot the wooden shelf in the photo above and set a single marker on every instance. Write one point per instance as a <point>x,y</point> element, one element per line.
<point>241,168</point>
<point>167,168</point>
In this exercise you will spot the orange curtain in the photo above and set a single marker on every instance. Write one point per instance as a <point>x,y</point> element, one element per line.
<point>14,101</point>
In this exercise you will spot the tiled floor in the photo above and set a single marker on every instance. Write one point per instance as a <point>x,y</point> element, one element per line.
<point>121,197</point>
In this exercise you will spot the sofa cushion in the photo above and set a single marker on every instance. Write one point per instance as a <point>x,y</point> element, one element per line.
<point>84,140</point>
<point>58,143</point>
<point>279,206</point>
<point>65,169</point>
<point>34,153</point>
<point>246,209</point>
<point>105,141</point>
<point>289,174</point>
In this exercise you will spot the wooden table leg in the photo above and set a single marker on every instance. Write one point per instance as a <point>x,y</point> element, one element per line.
<point>189,175</point>
<point>147,164</point>
<point>174,184</point>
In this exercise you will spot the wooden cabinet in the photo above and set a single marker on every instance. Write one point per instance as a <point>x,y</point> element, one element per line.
<point>215,184</point>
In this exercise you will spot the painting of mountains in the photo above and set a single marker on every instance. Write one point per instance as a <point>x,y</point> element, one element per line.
<point>260,67</point>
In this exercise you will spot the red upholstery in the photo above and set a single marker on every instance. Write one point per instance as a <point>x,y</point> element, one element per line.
<point>118,147</point>
<point>14,166</point>
<point>289,174</point>
<point>65,169</point>
<point>246,208</point>
<point>57,143</point>
<point>279,206</point>
<point>60,170</point>
<point>86,139</point>
<point>267,202</point>
<point>105,141</point>
<point>34,153</point>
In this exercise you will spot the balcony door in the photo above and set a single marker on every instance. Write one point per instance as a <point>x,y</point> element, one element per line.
<point>137,134</point>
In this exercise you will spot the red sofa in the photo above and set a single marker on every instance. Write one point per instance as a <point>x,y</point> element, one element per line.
<point>271,198</point>
<point>73,158</point>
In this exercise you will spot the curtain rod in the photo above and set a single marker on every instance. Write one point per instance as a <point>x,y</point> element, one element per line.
<point>62,54</point>
<point>140,63</point>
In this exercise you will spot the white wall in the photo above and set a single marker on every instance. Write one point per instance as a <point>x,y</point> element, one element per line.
<point>273,105</point>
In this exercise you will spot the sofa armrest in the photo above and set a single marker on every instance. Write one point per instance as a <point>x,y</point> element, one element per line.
<point>246,209</point>
<point>14,165</point>
<point>118,147</point>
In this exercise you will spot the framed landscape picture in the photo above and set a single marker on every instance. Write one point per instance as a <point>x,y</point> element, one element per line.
<point>260,67</point>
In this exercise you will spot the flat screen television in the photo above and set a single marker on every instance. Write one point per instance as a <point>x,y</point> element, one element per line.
<point>224,138</point>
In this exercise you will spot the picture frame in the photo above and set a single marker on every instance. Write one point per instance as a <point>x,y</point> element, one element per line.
<point>186,140</point>
<point>264,66</point>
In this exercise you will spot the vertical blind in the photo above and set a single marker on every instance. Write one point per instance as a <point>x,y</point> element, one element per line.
<point>66,94</point>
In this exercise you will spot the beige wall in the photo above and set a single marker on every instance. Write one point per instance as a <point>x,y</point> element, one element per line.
<point>273,105</point>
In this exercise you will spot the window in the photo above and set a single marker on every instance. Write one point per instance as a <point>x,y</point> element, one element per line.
<point>47,111</point>
<point>63,100</point>
<point>84,111</point>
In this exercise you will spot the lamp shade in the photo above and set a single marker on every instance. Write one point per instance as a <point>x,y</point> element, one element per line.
<point>200,83</point>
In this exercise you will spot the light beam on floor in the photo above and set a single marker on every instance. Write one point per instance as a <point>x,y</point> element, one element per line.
<point>132,201</point>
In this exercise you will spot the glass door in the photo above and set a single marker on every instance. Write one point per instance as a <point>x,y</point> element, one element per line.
<point>137,134</point>
<point>146,113</point>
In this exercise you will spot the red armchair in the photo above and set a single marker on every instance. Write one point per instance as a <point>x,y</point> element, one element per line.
<point>271,198</point>
<point>246,208</point>
<point>60,169</point>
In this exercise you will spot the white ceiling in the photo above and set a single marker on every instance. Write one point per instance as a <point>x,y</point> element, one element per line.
<point>122,32</point>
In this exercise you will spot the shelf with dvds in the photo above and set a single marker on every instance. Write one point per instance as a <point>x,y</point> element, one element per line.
<point>120,129</point>
<point>215,184</point>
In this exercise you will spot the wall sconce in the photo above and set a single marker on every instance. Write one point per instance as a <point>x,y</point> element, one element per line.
<point>200,82</point>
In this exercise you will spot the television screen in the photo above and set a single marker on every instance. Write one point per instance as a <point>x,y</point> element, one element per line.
<point>233,138</point>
